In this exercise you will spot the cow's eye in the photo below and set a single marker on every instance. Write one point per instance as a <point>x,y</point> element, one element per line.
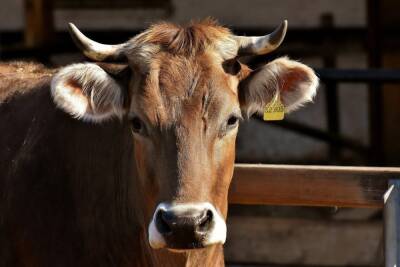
<point>230,124</point>
<point>137,125</point>
<point>232,121</point>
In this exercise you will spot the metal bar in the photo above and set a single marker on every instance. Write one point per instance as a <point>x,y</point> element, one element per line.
<point>299,36</point>
<point>332,113</point>
<point>359,76</point>
<point>301,185</point>
<point>325,74</point>
<point>392,224</point>
<point>375,92</point>
<point>310,36</point>
<point>331,92</point>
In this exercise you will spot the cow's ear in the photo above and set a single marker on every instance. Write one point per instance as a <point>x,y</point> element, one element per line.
<point>90,92</point>
<point>297,84</point>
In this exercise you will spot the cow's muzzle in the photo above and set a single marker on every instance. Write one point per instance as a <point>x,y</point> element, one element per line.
<point>186,226</point>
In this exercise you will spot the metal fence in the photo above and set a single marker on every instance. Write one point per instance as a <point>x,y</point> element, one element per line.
<point>366,187</point>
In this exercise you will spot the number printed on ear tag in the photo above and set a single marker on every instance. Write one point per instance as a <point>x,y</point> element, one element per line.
<point>274,110</point>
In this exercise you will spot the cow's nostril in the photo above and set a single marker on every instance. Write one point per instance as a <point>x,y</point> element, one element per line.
<point>205,221</point>
<point>162,223</point>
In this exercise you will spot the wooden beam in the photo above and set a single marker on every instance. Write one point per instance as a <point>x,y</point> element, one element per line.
<point>39,29</point>
<point>310,185</point>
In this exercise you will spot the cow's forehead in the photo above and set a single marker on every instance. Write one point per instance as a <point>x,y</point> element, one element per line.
<point>196,38</point>
<point>181,70</point>
<point>178,87</point>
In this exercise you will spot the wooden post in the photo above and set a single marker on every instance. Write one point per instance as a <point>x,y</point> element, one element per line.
<point>39,27</point>
<point>392,224</point>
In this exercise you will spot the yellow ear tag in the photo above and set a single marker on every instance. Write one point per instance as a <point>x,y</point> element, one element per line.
<point>274,110</point>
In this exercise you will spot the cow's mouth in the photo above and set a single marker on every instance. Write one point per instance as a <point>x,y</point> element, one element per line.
<point>180,227</point>
<point>185,239</point>
<point>181,247</point>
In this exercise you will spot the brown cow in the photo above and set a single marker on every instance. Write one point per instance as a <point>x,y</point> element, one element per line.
<point>129,164</point>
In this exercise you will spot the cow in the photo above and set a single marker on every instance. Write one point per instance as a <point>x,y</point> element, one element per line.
<point>126,160</point>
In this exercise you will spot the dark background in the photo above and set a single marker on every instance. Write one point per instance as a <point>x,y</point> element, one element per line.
<point>354,47</point>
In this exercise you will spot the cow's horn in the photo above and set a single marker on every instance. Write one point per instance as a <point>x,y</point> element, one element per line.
<point>94,50</point>
<point>259,45</point>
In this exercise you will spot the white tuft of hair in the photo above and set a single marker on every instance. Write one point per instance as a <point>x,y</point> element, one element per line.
<point>274,78</point>
<point>87,92</point>
<point>306,89</point>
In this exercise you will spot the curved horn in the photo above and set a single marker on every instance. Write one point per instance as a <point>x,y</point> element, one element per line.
<point>94,50</point>
<point>260,45</point>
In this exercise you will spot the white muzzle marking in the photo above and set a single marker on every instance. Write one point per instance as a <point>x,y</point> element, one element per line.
<point>216,235</point>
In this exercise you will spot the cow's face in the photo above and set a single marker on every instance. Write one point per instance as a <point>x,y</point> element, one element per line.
<point>183,91</point>
<point>185,116</point>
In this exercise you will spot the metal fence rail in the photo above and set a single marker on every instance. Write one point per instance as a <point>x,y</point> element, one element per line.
<point>359,75</point>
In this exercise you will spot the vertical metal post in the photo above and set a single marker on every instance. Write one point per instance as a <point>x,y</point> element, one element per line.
<point>332,94</point>
<point>392,224</point>
<point>376,156</point>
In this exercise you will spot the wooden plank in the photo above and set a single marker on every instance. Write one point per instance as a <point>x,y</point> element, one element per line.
<point>310,185</point>
<point>39,29</point>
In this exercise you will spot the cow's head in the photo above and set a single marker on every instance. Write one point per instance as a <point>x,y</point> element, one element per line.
<point>183,90</point>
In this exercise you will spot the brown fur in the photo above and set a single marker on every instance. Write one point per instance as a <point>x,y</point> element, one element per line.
<point>94,198</point>
<point>65,200</point>
<point>187,40</point>
<point>68,201</point>
<point>74,193</point>
<point>89,195</point>
<point>185,95</point>
<point>21,77</point>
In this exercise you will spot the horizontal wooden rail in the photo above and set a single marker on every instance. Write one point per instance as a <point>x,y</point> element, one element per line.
<point>310,185</point>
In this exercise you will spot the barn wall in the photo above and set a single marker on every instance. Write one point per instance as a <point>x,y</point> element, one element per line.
<point>294,241</point>
<point>252,13</point>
